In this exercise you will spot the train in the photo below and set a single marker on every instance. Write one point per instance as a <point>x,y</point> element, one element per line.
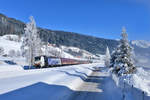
<point>50,61</point>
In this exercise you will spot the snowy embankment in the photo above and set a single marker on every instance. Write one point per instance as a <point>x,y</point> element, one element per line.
<point>47,84</point>
<point>136,86</point>
<point>11,64</point>
<point>141,80</point>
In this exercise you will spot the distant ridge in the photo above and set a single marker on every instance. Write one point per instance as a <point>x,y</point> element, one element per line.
<point>92,44</point>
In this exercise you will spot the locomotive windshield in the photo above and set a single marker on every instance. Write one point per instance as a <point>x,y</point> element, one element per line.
<point>37,58</point>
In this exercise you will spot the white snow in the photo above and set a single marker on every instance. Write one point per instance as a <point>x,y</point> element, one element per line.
<point>141,43</point>
<point>141,80</point>
<point>18,63</point>
<point>81,52</point>
<point>11,37</point>
<point>61,53</point>
<point>12,42</point>
<point>135,85</point>
<point>61,76</point>
<point>59,83</point>
<point>64,79</point>
<point>8,44</point>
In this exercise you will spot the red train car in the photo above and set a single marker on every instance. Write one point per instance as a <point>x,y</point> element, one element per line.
<point>66,61</point>
<point>44,61</point>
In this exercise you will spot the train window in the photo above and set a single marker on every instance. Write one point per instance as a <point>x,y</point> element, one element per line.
<point>37,58</point>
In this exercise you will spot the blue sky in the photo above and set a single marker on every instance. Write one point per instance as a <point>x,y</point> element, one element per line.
<point>100,18</point>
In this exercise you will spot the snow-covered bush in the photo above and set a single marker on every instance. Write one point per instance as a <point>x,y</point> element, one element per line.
<point>1,50</point>
<point>121,60</point>
<point>11,37</point>
<point>54,51</point>
<point>107,58</point>
<point>12,53</point>
<point>18,53</point>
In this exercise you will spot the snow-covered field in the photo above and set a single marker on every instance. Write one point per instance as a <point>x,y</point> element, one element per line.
<point>61,82</point>
<point>8,45</point>
<point>58,83</point>
<point>53,83</point>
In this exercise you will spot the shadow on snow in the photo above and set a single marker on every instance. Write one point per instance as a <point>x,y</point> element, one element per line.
<point>43,91</point>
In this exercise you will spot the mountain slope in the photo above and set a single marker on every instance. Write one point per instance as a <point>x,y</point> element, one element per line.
<point>92,44</point>
<point>141,43</point>
<point>142,52</point>
<point>13,43</point>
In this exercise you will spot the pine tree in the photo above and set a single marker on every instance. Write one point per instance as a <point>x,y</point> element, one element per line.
<point>107,57</point>
<point>121,61</point>
<point>31,44</point>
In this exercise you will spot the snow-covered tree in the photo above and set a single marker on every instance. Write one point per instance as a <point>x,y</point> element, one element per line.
<point>12,53</point>
<point>53,51</point>
<point>1,50</point>
<point>121,60</point>
<point>18,54</point>
<point>107,57</point>
<point>31,44</point>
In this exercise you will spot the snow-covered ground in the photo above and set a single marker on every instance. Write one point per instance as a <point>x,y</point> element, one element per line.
<point>78,52</point>
<point>98,86</point>
<point>135,86</point>
<point>141,80</point>
<point>49,83</point>
<point>61,82</point>
<point>11,44</point>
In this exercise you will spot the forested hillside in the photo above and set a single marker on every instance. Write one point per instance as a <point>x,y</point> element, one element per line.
<point>92,44</point>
